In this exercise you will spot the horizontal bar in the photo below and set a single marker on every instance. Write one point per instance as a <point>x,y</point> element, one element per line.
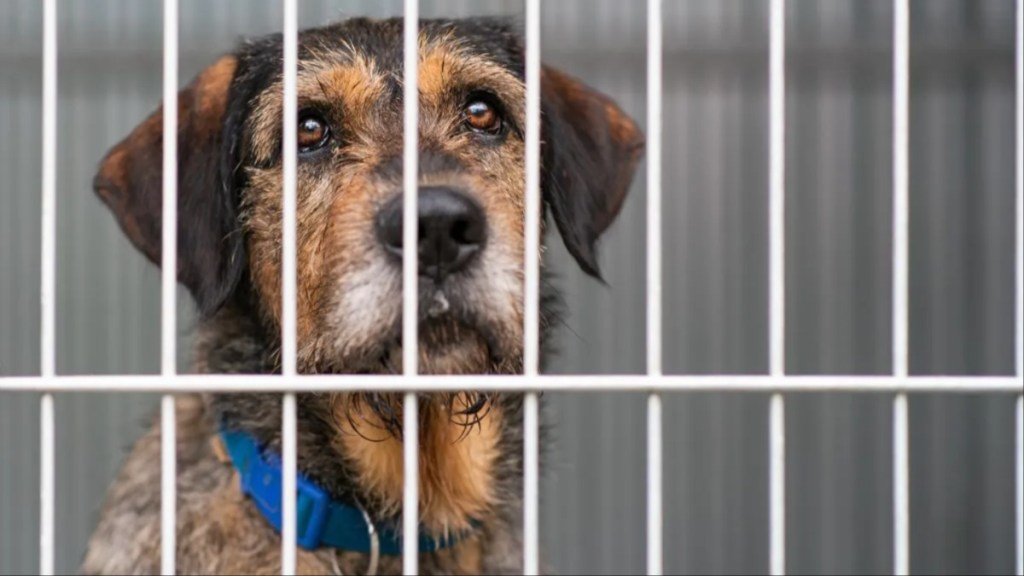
<point>229,383</point>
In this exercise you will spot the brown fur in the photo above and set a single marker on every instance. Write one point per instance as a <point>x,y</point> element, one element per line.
<point>456,466</point>
<point>349,290</point>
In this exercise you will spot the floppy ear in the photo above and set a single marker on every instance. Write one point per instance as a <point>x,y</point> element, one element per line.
<point>591,149</point>
<point>210,251</point>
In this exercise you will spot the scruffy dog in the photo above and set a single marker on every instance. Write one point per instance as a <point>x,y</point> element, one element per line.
<point>470,253</point>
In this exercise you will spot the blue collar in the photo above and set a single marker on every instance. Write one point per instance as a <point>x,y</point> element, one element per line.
<point>320,520</point>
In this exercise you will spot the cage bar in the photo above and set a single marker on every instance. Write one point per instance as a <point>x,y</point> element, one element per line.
<point>1020,485</point>
<point>289,237</point>
<point>168,289</point>
<point>655,509</point>
<point>1019,73</point>
<point>777,463</point>
<point>900,321</point>
<point>46,485</point>
<point>48,299</point>
<point>168,487</point>
<point>410,288</point>
<point>168,382</point>
<point>654,302</point>
<point>777,283</point>
<point>736,383</point>
<point>531,334</point>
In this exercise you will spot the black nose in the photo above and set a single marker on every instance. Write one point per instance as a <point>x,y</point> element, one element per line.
<point>452,230</point>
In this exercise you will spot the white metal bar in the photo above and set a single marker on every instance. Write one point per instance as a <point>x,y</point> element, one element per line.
<point>901,190</point>
<point>655,509</point>
<point>410,288</point>
<point>777,188</point>
<point>289,470</point>
<point>168,489</point>
<point>47,492</point>
<point>901,271</point>
<point>289,336</point>
<point>1020,190</point>
<point>777,433</point>
<point>235,383</point>
<point>1020,485</point>
<point>1020,284</point>
<point>901,486</point>
<point>168,289</point>
<point>410,462</point>
<point>655,472</point>
<point>531,336</point>
<point>48,342</point>
<point>531,496</point>
<point>654,303</point>
<point>777,282</point>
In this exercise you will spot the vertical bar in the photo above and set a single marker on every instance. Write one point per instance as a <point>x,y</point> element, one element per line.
<point>654,486</point>
<point>901,487</point>
<point>410,502</point>
<point>48,354</point>
<point>654,333</point>
<point>531,348</point>
<point>777,426</point>
<point>901,227</point>
<point>777,284</point>
<point>168,289</point>
<point>289,236</point>
<point>1020,190</point>
<point>531,351</point>
<point>410,288</point>
<point>168,492</point>
<point>47,492</point>
<point>1020,485</point>
<point>1020,284</point>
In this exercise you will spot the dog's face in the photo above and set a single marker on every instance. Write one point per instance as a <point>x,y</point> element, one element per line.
<point>471,189</point>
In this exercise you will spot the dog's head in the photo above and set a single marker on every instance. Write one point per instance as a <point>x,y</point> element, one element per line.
<point>471,189</point>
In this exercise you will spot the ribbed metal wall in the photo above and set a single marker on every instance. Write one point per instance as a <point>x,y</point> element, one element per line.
<point>716,186</point>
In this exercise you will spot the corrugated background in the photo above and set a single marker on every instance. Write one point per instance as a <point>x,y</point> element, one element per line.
<point>716,160</point>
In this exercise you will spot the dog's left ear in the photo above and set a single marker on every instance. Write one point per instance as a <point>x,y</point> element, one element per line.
<point>210,251</point>
<point>590,151</point>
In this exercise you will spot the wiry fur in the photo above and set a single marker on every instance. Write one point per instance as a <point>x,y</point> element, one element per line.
<point>349,297</point>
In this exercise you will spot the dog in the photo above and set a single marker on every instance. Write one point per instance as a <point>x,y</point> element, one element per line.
<point>471,210</point>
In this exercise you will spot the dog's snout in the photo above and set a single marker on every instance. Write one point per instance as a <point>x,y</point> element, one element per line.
<point>452,230</point>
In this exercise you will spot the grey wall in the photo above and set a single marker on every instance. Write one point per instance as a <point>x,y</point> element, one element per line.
<point>716,150</point>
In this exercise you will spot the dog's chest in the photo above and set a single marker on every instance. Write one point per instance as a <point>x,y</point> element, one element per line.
<point>456,467</point>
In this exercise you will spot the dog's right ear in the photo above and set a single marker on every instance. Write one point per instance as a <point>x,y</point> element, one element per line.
<point>211,256</point>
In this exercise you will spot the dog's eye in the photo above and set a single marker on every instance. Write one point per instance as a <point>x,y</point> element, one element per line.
<point>313,132</point>
<point>482,117</point>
